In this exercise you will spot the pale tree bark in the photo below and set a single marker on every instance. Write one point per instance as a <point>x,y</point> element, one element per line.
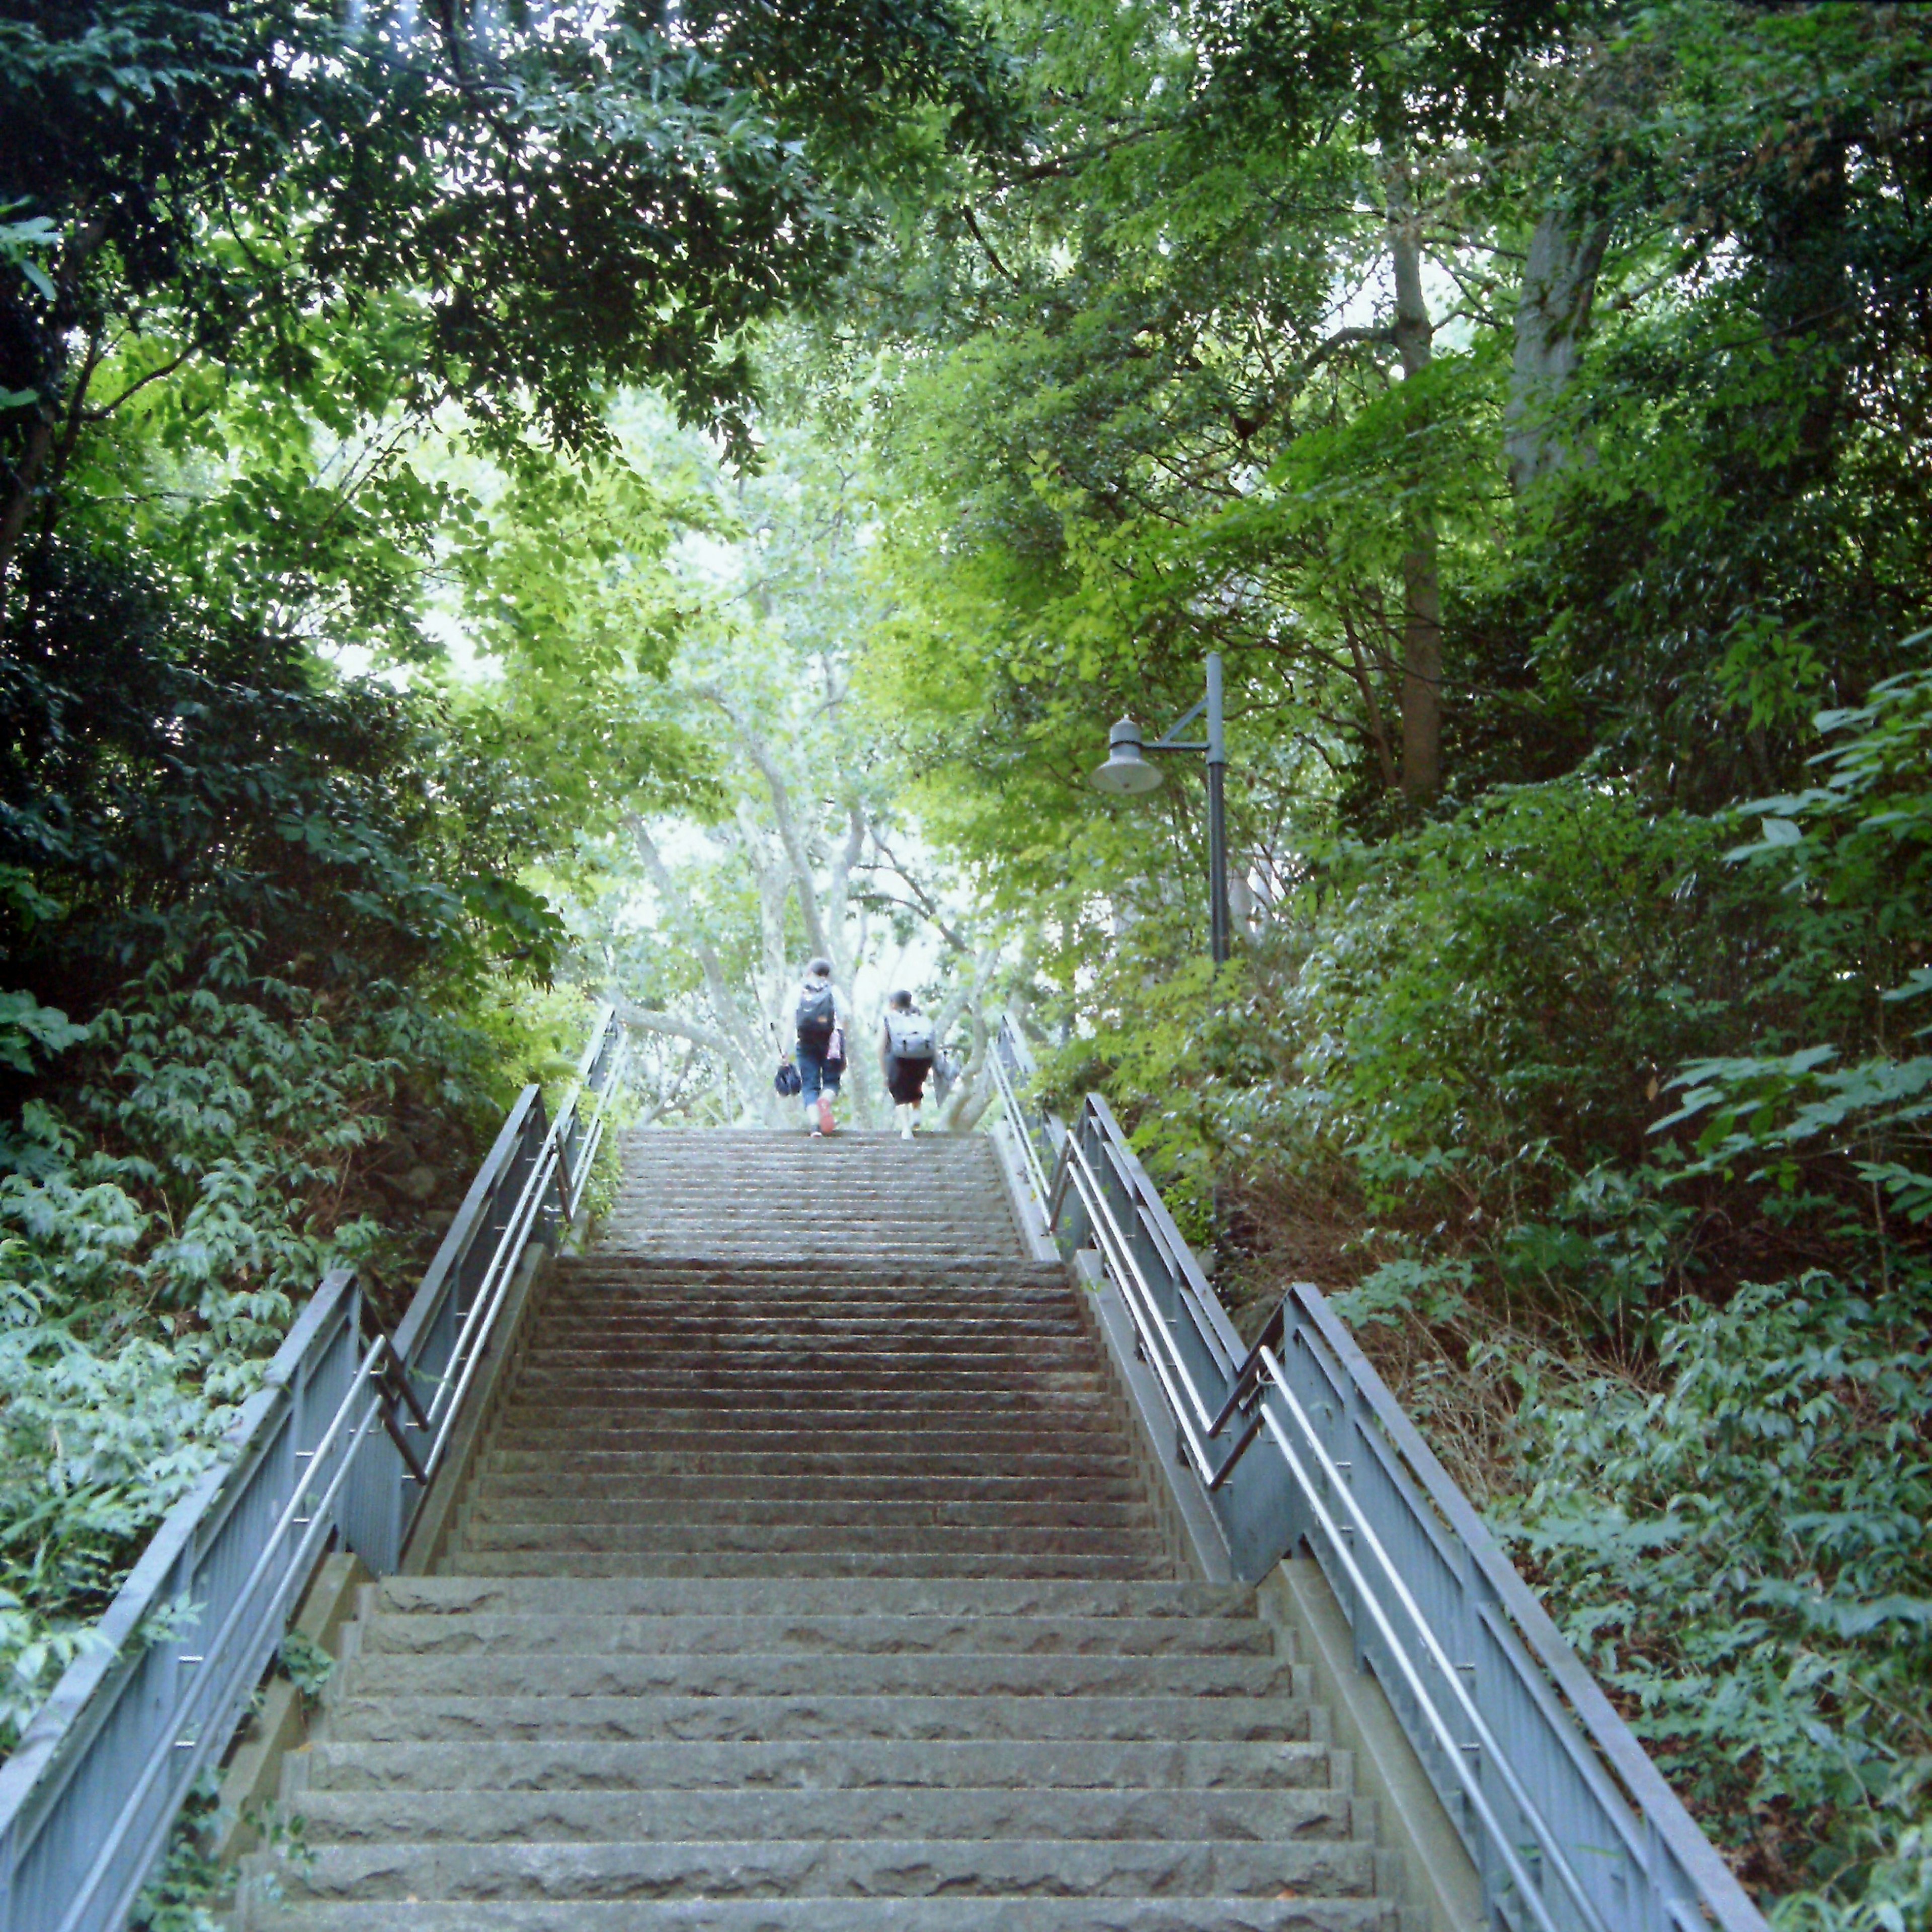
<point>784,842</point>
<point>971,1090</point>
<point>804,878</point>
<point>1421,697</point>
<point>733,1037</point>
<point>1552,318</point>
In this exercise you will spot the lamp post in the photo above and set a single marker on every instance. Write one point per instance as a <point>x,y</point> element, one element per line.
<point>1127,774</point>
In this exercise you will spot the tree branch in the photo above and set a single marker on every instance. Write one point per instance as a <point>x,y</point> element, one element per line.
<point>978,235</point>
<point>671,1025</point>
<point>101,411</point>
<point>760,754</point>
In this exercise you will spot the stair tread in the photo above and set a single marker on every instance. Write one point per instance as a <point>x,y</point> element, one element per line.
<point>950,1813</point>
<point>1030,1913</point>
<point>835,1868</point>
<point>822,1764</point>
<point>402,1718</point>
<point>820,1635</point>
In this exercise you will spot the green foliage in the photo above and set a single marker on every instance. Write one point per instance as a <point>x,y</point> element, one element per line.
<point>185,152</point>
<point>1458,1042</point>
<point>164,779</point>
<point>25,1025</point>
<point>1853,855</point>
<point>185,1895</point>
<point>193,1892</point>
<point>306,1665</point>
<point>1741,1557</point>
<point>224,1141</point>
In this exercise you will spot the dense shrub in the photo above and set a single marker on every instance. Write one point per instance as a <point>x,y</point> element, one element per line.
<point>1741,1553</point>
<point>1620,1117</point>
<point>222,1142</point>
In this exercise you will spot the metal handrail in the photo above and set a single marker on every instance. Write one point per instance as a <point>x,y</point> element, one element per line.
<point>1571,1827</point>
<point>320,1453</point>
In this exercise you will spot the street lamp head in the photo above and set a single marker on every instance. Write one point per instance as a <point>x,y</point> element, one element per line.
<point>1126,773</point>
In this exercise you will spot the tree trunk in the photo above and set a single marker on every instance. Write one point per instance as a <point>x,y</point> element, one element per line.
<point>1421,592</point>
<point>1552,317</point>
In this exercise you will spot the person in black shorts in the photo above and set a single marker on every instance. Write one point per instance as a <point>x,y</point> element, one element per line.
<point>906,1050</point>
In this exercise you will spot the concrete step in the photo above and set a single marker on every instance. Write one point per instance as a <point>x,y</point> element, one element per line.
<point>605,1382</point>
<point>866,1250</point>
<point>872,1240</point>
<point>513,1503</point>
<point>957,1812</point>
<point>531,1636</point>
<point>775,1396</point>
<point>764,1539</point>
<point>1289,1912</point>
<point>806,1378</point>
<point>640,1320</point>
<point>831,1432</point>
<point>1047,1354</point>
<point>854,1564</point>
<point>873,1460</point>
<point>774,1405</point>
<point>817,1217</point>
<point>790,1596</point>
<point>429,1718</point>
<point>569,1675</point>
<point>816,1592</point>
<point>817,1764</point>
<point>648,1872</point>
<point>943,1272</point>
<point>1065,1454</point>
<point>945,1278</point>
<point>779,1347</point>
<point>1032,1375</point>
<point>715,1492</point>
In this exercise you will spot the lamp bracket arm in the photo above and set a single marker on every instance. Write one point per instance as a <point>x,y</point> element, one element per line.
<point>1180,724</point>
<point>1171,743</point>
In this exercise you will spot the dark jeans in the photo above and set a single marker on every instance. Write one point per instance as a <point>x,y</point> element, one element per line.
<point>815,1074</point>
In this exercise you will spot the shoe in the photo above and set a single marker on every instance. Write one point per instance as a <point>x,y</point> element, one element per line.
<point>824,1125</point>
<point>905,1130</point>
<point>818,1133</point>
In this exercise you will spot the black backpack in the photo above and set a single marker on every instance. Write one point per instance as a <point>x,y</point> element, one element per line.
<point>817,1017</point>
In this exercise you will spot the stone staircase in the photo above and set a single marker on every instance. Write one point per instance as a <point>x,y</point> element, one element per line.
<point>806,1580</point>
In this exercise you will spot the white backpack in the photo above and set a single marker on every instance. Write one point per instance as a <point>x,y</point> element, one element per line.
<point>909,1037</point>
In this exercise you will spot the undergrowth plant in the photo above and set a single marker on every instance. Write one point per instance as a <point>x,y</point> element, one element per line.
<point>226,1139</point>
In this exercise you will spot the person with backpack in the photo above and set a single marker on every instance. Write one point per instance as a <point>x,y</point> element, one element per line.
<point>906,1052</point>
<point>821,1044</point>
